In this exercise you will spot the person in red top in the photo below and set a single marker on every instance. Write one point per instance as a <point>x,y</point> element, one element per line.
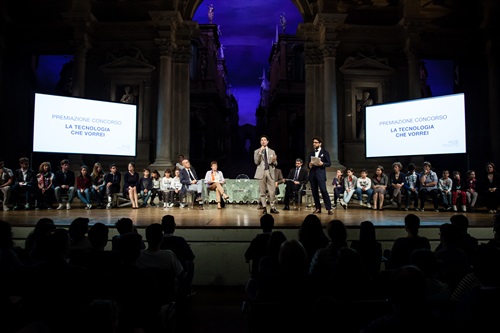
<point>84,186</point>
<point>471,189</point>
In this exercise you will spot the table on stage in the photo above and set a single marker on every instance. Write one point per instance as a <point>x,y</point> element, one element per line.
<point>244,191</point>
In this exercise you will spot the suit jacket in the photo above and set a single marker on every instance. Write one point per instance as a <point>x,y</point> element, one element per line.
<point>184,176</point>
<point>59,178</point>
<point>303,175</point>
<point>319,172</point>
<point>30,177</point>
<point>258,159</point>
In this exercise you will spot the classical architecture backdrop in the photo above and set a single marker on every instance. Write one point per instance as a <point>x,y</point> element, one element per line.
<point>153,54</point>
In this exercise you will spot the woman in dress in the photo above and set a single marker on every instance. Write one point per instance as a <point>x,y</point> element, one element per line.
<point>130,185</point>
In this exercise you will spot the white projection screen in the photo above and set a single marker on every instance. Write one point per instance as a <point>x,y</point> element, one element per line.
<point>83,126</point>
<point>425,126</point>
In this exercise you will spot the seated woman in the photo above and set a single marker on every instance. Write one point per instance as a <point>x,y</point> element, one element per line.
<point>84,187</point>
<point>214,180</point>
<point>98,184</point>
<point>471,189</point>
<point>491,188</point>
<point>45,191</point>
<point>379,185</point>
<point>130,185</point>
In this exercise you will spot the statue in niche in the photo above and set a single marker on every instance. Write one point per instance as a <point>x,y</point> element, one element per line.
<point>221,51</point>
<point>129,96</point>
<point>211,10</point>
<point>283,22</point>
<point>361,105</point>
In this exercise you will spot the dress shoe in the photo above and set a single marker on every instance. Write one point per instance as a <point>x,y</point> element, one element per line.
<point>317,211</point>
<point>286,207</point>
<point>330,212</point>
<point>274,211</point>
<point>264,211</point>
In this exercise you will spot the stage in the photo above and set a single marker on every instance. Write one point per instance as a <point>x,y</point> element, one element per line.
<point>239,216</point>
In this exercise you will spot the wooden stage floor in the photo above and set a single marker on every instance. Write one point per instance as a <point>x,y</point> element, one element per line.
<point>238,216</point>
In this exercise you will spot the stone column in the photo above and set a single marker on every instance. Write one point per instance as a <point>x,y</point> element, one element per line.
<point>181,89</point>
<point>330,103</point>
<point>164,111</point>
<point>314,110</point>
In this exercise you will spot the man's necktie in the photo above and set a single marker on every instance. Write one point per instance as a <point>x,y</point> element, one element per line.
<point>296,174</point>
<point>266,163</point>
<point>190,175</point>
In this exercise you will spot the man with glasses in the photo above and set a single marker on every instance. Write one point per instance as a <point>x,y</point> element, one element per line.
<point>319,160</point>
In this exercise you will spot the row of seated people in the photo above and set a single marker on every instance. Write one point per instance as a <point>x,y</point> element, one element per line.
<point>60,273</point>
<point>455,192</point>
<point>316,276</point>
<point>40,189</point>
<point>451,286</point>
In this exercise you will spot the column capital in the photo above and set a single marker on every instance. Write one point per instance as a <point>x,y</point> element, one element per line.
<point>330,49</point>
<point>183,36</point>
<point>165,46</point>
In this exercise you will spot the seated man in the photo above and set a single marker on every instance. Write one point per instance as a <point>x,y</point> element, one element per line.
<point>190,182</point>
<point>112,182</point>
<point>428,185</point>
<point>64,181</point>
<point>5,186</point>
<point>297,178</point>
<point>24,183</point>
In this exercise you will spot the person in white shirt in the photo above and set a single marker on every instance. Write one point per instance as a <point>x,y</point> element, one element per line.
<point>214,179</point>
<point>364,185</point>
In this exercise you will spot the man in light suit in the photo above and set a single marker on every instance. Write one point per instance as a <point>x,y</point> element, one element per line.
<point>317,175</point>
<point>297,177</point>
<point>265,159</point>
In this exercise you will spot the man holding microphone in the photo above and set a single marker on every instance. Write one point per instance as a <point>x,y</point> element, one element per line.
<point>265,159</point>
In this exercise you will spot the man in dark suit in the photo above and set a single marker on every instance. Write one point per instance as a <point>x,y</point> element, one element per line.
<point>297,177</point>
<point>190,182</point>
<point>64,182</point>
<point>24,184</point>
<point>319,159</point>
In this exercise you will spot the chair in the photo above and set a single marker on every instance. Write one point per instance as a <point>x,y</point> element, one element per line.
<point>297,196</point>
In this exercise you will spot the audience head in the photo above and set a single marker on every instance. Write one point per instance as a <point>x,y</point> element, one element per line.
<point>486,265</point>
<point>337,233</point>
<point>274,244</point>
<point>5,236</point>
<point>367,231</point>
<point>408,287</point>
<point>310,228</point>
<point>267,222</point>
<point>461,221</point>
<point>168,224</point>
<point>130,246</point>
<point>154,235</point>
<point>426,260</point>
<point>450,234</point>
<point>101,316</point>
<point>412,223</point>
<point>293,257</point>
<point>78,228</point>
<point>55,244</point>
<point>124,225</point>
<point>98,235</point>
